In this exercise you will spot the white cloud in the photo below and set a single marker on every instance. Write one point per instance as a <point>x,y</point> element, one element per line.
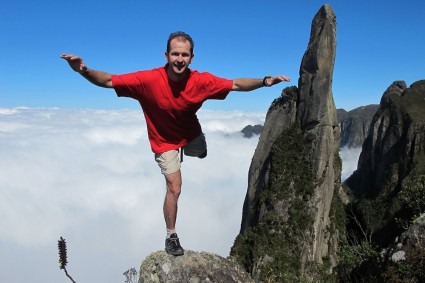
<point>90,176</point>
<point>350,157</point>
<point>7,111</point>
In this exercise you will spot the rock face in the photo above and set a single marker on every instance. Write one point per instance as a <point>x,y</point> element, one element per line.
<point>294,172</point>
<point>316,113</point>
<point>355,124</point>
<point>388,189</point>
<point>280,117</point>
<point>250,130</point>
<point>192,267</point>
<point>392,158</point>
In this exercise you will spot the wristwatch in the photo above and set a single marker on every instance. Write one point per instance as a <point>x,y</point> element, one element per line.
<point>264,81</point>
<point>83,70</point>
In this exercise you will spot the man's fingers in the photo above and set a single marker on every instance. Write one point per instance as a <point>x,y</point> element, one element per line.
<point>70,57</point>
<point>75,62</point>
<point>285,78</point>
<point>66,56</point>
<point>279,79</point>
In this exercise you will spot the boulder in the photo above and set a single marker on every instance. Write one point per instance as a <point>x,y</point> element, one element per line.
<point>192,267</point>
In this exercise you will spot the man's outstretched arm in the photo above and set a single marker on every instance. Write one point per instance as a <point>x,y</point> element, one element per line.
<point>98,78</point>
<point>252,84</point>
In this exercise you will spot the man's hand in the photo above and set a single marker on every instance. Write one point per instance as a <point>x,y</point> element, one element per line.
<point>75,62</point>
<point>275,80</point>
<point>98,78</point>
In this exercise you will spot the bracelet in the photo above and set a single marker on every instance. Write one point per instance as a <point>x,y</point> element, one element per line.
<point>264,81</point>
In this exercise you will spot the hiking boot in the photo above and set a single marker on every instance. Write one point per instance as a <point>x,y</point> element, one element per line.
<point>172,245</point>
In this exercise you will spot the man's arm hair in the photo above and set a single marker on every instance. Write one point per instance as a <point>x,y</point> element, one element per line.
<point>98,78</point>
<point>245,84</point>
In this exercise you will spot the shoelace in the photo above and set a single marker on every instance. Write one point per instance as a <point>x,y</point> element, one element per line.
<point>175,240</point>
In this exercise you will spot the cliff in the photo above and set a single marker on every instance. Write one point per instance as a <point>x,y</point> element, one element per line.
<point>355,124</point>
<point>388,189</point>
<point>392,155</point>
<point>286,217</point>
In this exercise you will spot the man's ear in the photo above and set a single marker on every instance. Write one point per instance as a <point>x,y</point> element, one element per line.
<point>191,58</point>
<point>166,56</point>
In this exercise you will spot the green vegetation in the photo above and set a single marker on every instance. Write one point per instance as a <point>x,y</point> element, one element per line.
<point>353,257</point>
<point>412,269</point>
<point>289,93</point>
<point>412,198</point>
<point>337,216</point>
<point>361,258</point>
<point>276,244</point>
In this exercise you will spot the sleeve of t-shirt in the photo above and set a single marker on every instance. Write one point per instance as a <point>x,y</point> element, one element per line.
<point>214,87</point>
<point>129,85</point>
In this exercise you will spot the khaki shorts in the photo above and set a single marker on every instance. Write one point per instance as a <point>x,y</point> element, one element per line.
<point>169,161</point>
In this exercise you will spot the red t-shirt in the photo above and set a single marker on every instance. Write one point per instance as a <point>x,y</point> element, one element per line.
<point>170,107</point>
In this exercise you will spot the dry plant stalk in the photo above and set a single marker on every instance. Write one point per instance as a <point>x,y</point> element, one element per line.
<point>63,258</point>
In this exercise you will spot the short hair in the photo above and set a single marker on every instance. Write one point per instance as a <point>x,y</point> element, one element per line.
<point>181,36</point>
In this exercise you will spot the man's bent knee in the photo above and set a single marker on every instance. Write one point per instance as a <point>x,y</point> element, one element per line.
<point>197,147</point>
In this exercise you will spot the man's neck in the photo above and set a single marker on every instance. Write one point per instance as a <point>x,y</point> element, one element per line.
<point>177,77</point>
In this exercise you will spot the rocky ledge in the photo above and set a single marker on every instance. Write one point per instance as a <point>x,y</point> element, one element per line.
<point>192,267</point>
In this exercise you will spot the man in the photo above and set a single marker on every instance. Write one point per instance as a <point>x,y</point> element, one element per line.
<point>170,96</point>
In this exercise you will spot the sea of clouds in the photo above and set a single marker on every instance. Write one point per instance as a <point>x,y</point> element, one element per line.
<point>90,177</point>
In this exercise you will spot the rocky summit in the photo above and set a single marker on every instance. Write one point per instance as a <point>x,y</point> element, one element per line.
<point>192,267</point>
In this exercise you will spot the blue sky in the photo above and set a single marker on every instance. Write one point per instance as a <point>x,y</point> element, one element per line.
<point>378,42</point>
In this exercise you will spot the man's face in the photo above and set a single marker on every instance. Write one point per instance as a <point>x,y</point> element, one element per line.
<point>179,57</point>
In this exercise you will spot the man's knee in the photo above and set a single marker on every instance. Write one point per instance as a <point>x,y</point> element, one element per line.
<point>174,183</point>
<point>174,188</point>
<point>203,155</point>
